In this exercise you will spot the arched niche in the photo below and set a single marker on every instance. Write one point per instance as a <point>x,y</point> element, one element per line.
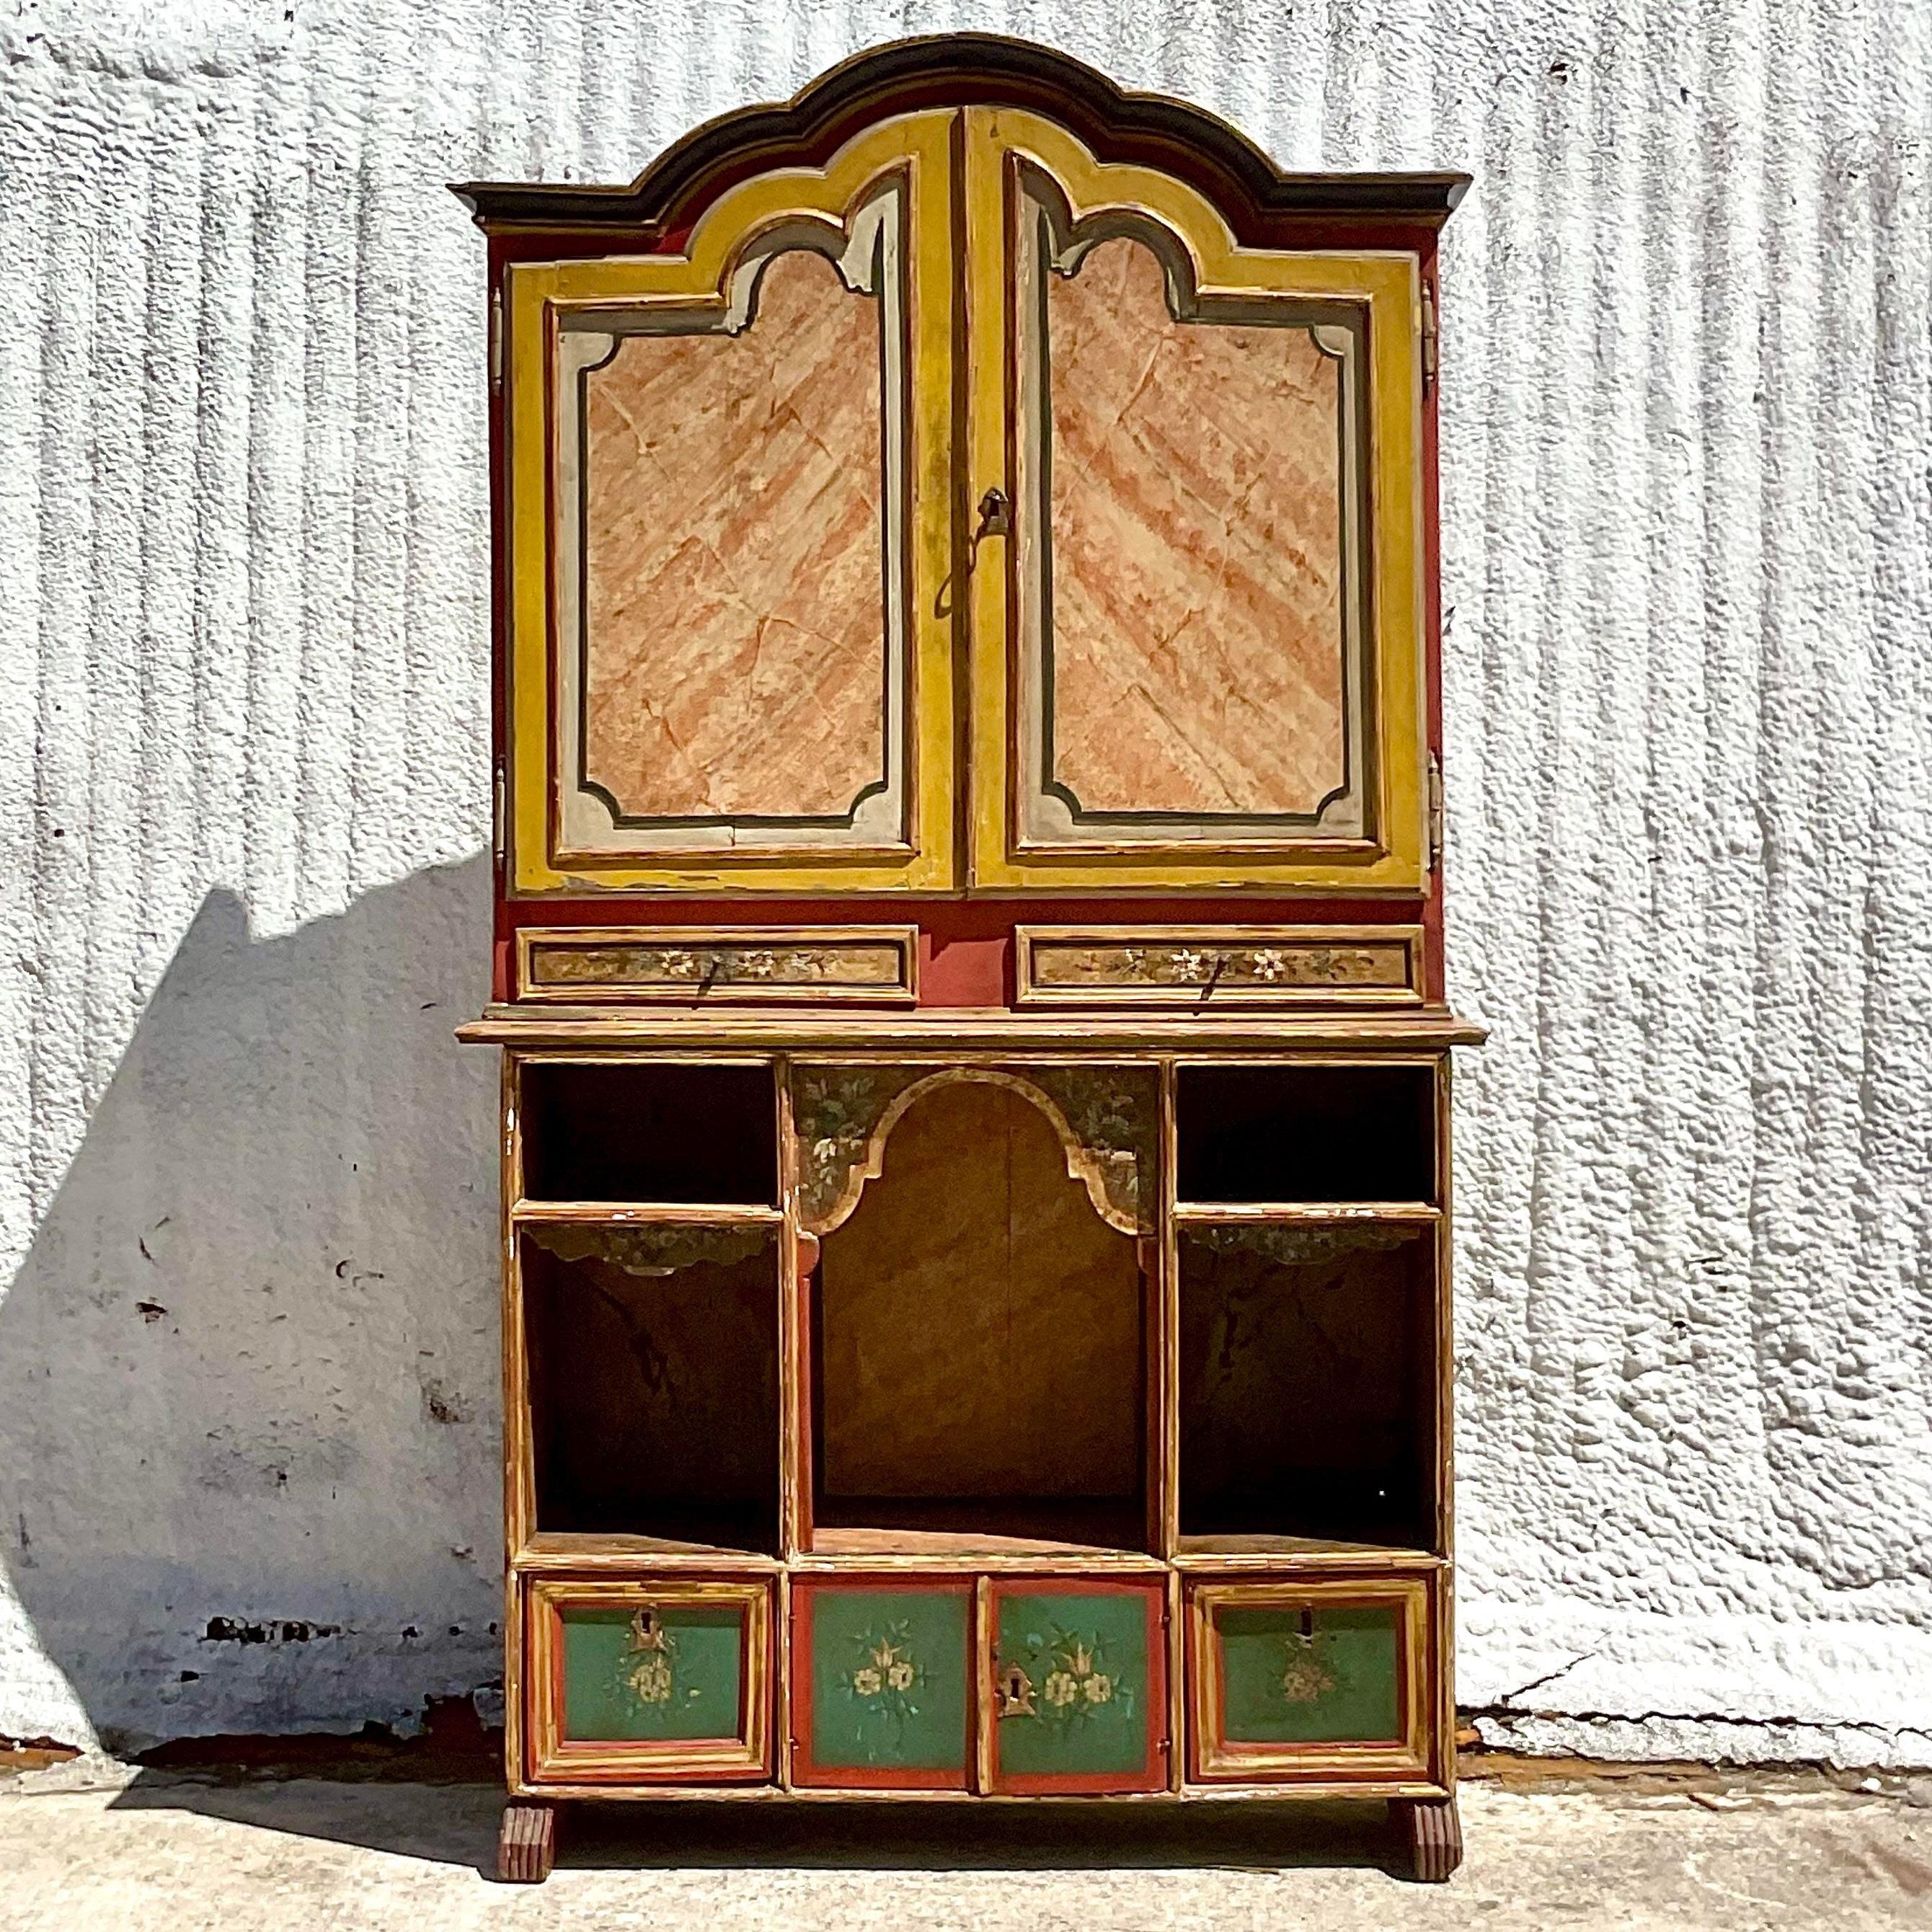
<point>979,1336</point>
<point>1105,1117</point>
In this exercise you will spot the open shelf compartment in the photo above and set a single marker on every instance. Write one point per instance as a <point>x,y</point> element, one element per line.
<point>644,1131</point>
<point>653,1358</point>
<point>1306,1389</point>
<point>978,1335</point>
<point>1306,1133</point>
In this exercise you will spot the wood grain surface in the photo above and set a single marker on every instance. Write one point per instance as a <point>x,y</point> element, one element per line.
<point>981,1327</point>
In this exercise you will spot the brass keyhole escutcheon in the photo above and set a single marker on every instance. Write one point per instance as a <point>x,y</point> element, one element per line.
<point>1012,1693</point>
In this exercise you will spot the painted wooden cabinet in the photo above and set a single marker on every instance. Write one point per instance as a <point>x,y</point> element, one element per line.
<point>968,959</point>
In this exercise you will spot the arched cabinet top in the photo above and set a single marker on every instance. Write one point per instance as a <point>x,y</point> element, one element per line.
<point>1262,202</point>
<point>969,478</point>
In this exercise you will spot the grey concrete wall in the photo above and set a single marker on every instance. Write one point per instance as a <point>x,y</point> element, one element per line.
<point>248,1398</point>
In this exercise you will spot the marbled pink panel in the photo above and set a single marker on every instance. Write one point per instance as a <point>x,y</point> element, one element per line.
<point>734,573</point>
<point>1197,548</point>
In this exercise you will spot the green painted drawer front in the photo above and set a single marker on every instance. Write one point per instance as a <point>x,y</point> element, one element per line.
<point>683,1678</point>
<point>889,1672</point>
<point>1085,1704</point>
<point>1309,1676</point>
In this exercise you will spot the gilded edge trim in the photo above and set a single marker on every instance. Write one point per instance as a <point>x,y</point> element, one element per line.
<point>945,1034</point>
<point>1215,943</point>
<point>1215,1760</point>
<point>829,941</point>
<point>553,1759</point>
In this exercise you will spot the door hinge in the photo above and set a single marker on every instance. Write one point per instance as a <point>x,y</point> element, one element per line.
<point>497,814</point>
<point>497,342</point>
<point>1428,338</point>
<point>1435,813</point>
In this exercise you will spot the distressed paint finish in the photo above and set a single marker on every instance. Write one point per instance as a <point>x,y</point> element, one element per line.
<point>638,964</point>
<point>244,806</point>
<point>1089,1710</point>
<point>975,1263</point>
<point>688,1683</point>
<point>1329,1675</point>
<point>1196,544</point>
<point>733,560</point>
<point>890,1673</point>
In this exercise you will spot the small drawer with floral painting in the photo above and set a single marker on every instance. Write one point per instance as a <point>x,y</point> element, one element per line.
<point>881,1678</point>
<point>1322,1681</point>
<point>649,1682</point>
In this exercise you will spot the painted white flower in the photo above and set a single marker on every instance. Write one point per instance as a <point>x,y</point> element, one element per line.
<point>1098,1687</point>
<point>899,1676</point>
<point>866,1680</point>
<point>1061,1688</point>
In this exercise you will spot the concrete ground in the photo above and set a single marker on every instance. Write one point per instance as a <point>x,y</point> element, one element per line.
<point>83,1846</point>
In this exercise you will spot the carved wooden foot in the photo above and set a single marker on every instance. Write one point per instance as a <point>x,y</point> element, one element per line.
<point>527,1847</point>
<point>1431,1833</point>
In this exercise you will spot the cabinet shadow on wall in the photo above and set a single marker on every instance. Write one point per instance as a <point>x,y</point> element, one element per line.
<point>249,1406</point>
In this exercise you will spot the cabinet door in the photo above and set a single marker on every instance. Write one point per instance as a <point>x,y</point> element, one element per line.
<point>1197,621</point>
<point>1078,1700</point>
<point>649,1682</point>
<point>882,1681</point>
<point>1318,1681</point>
<point>730,515</point>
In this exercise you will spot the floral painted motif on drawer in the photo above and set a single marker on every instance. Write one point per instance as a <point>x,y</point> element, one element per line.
<point>876,964</point>
<point>1304,966</point>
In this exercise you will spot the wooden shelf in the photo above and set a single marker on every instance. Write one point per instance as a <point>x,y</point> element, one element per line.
<point>1223,1213</point>
<point>953,1031</point>
<point>647,1213</point>
<point>847,1549</point>
<point>1243,1552</point>
<point>550,1550</point>
<point>969,1547</point>
<point>969,1528</point>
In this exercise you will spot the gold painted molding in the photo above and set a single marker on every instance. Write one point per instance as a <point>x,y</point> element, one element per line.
<point>1385,285</point>
<point>944,1032</point>
<point>537,296</point>
<point>555,1759</point>
<point>1214,1759</point>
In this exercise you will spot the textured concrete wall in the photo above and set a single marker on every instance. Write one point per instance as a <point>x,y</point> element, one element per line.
<point>248,1403</point>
